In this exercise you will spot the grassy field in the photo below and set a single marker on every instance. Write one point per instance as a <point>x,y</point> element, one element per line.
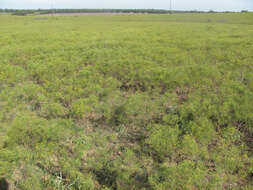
<point>126,102</point>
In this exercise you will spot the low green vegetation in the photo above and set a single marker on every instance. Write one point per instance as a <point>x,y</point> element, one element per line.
<point>149,102</point>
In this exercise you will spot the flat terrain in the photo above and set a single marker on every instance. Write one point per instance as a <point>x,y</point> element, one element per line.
<point>122,102</point>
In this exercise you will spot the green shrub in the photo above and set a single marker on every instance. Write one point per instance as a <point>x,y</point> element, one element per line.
<point>53,110</point>
<point>185,175</point>
<point>164,140</point>
<point>30,131</point>
<point>81,108</point>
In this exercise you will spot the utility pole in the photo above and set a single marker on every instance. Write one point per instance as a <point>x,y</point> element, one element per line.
<point>170,6</point>
<point>52,7</point>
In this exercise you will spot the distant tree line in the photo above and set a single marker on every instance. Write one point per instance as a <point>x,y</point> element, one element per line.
<point>49,11</point>
<point>23,12</point>
<point>152,11</point>
<point>18,11</point>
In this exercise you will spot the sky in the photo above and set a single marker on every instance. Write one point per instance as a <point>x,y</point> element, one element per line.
<point>216,5</point>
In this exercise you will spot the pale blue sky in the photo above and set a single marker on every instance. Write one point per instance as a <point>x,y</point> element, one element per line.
<point>217,5</point>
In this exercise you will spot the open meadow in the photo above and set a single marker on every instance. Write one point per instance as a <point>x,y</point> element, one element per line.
<point>126,102</point>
